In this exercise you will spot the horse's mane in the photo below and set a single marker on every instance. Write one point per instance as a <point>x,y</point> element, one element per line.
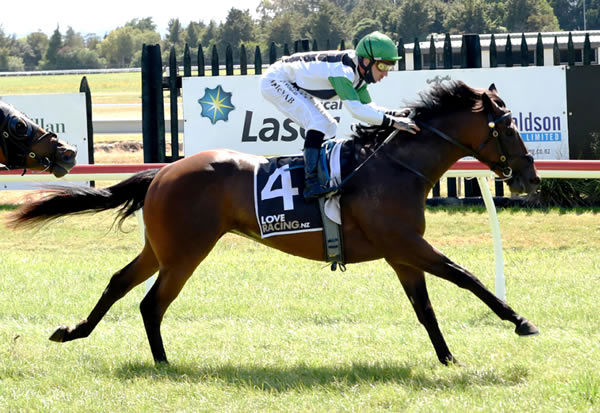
<point>440,99</point>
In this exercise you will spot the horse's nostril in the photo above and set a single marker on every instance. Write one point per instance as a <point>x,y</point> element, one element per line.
<point>68,155</point>
<point>536,180</point>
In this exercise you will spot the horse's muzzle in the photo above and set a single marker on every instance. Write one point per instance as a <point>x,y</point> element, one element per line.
<point>64,161</point>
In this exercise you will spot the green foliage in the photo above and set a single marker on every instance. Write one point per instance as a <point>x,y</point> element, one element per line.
<point>285,21</point>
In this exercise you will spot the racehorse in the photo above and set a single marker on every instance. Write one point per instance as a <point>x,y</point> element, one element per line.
<point>26,145</point>
<point>189,204</point>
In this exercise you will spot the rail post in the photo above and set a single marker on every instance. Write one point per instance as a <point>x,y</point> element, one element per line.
<point>153,109</point>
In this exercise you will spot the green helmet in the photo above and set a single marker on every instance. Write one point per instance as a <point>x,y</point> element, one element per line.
<point>377,46</point>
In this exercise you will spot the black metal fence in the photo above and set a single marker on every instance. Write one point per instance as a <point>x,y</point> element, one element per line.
<point>154,83</point>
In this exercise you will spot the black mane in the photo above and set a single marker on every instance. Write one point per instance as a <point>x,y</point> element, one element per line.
<point>440,99</point>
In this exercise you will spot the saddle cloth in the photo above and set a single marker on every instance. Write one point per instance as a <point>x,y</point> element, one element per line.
<point>278,186</point>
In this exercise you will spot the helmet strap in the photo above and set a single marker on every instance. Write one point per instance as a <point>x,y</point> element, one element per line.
<point>368,69</point>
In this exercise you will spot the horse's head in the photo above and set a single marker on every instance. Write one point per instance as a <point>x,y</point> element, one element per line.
<point>26,145</point>
<point>503,149</point>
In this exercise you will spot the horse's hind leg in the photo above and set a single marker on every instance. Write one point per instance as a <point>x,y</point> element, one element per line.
<point>169,283</point>
<point>413,281</point>
<point>134,273</point>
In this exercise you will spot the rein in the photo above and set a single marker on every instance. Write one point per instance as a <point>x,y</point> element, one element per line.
<point>502,165</point>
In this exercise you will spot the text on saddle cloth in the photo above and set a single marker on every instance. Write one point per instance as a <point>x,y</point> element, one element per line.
<point>279,204</point>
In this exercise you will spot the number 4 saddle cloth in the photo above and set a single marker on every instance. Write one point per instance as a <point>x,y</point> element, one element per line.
<point>279,184</point>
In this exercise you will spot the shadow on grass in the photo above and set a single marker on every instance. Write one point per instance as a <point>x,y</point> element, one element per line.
<point>283,379</point>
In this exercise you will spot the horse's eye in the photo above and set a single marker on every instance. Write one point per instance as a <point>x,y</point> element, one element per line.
<point>19,127</point>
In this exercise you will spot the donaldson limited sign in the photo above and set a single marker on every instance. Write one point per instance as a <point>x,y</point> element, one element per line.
<point>230,112</point>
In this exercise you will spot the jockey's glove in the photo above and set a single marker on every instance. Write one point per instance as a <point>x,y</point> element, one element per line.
<point>402,123</point>
<point>399,113</point>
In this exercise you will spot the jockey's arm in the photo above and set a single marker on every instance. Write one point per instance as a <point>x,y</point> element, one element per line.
<point>358,102</point>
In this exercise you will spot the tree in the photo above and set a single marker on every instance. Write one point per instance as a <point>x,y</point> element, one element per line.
<point>120,47</point>
<point>412,20</point>
<point>38,42</point>
<point>530,16</point>
<point>145,24</point>
<point>210,35</point>
<point>326,24</point>
<point>282,29</point>
<point>364,27</point>
<point>54,45</point>
<point>237,29</point>
<point>174,31</point>
<point>73,40</point>
<point>467,16</point>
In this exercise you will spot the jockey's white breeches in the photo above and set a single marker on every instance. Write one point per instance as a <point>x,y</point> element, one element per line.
<point>304,109</point>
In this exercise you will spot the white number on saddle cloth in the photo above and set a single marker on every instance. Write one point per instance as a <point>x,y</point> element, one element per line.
<point>287,191</point>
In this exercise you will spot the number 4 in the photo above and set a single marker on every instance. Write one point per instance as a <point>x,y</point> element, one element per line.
<point>287,191</point>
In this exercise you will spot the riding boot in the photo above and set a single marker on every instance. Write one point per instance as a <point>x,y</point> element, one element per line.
<point>312,187</point>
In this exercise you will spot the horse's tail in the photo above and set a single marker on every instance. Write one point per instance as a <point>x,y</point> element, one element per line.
<point>58,201</point>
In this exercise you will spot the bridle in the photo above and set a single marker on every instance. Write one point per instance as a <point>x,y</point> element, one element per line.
<point>493,136</point>
<point>20,133</point>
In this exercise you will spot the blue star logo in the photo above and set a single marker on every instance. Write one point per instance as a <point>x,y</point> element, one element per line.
<point>216,104</point>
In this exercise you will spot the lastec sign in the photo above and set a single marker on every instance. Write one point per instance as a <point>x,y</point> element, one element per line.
<point>230,112</point>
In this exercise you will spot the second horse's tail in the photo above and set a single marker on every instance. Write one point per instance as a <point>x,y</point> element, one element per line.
<point>129,195</point>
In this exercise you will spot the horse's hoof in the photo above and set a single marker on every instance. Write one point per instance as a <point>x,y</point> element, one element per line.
<point>526,328</point>
<point>59,334</point>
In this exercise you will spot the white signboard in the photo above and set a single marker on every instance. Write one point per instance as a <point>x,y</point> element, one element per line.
<point>63,114</point>
<point>230,112</point>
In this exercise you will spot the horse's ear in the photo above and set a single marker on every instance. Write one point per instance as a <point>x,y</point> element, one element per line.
<point>489,105</point>
<point>492,88</point>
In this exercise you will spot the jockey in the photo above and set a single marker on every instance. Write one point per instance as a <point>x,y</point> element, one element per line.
<point>296,85</point>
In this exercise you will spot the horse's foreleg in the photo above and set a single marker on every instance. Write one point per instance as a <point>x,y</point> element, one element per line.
<point>137,271</point>
<point>413,281</point>
<point>434,262</point>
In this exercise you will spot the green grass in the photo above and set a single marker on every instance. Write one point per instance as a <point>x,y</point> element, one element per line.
<point>255,329</point>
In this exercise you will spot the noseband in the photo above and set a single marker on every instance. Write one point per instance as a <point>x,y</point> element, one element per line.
<point>24,142</point>
<point>494,135</point>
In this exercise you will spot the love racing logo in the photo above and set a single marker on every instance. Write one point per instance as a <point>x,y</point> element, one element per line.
<point>216,104</point>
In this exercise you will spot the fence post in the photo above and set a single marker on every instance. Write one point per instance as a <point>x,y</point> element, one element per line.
<point>556,52</point>
<point>228,60</point>
<point>402,54</point>
<point>539,51</point>
<point>173,93</point>
<point>493,52</point>
<point>214,61</point>
<point>257,61</point>
<point>432,54</point>
<point>471,58</point>
<point>524,51</point>
<point>342,44</point>
<point>417,61</point>
<point>508,52</point>
<point>153,109</point>
<point>85,89</point>
<point>447,52</point>
<point>587,50</point>
<point>272,53</point>
<point>200,60</point>
<point>315,46</point>
<point>187,62</point>
<point>286,49</point>
<point>243,61</point>
<point>570,51</point>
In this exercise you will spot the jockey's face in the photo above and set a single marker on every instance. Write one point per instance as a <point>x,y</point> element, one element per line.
<point>380,68</point>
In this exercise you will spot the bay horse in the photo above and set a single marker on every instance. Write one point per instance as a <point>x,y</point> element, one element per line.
<point>26,145</point>
<point>189,204</point>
